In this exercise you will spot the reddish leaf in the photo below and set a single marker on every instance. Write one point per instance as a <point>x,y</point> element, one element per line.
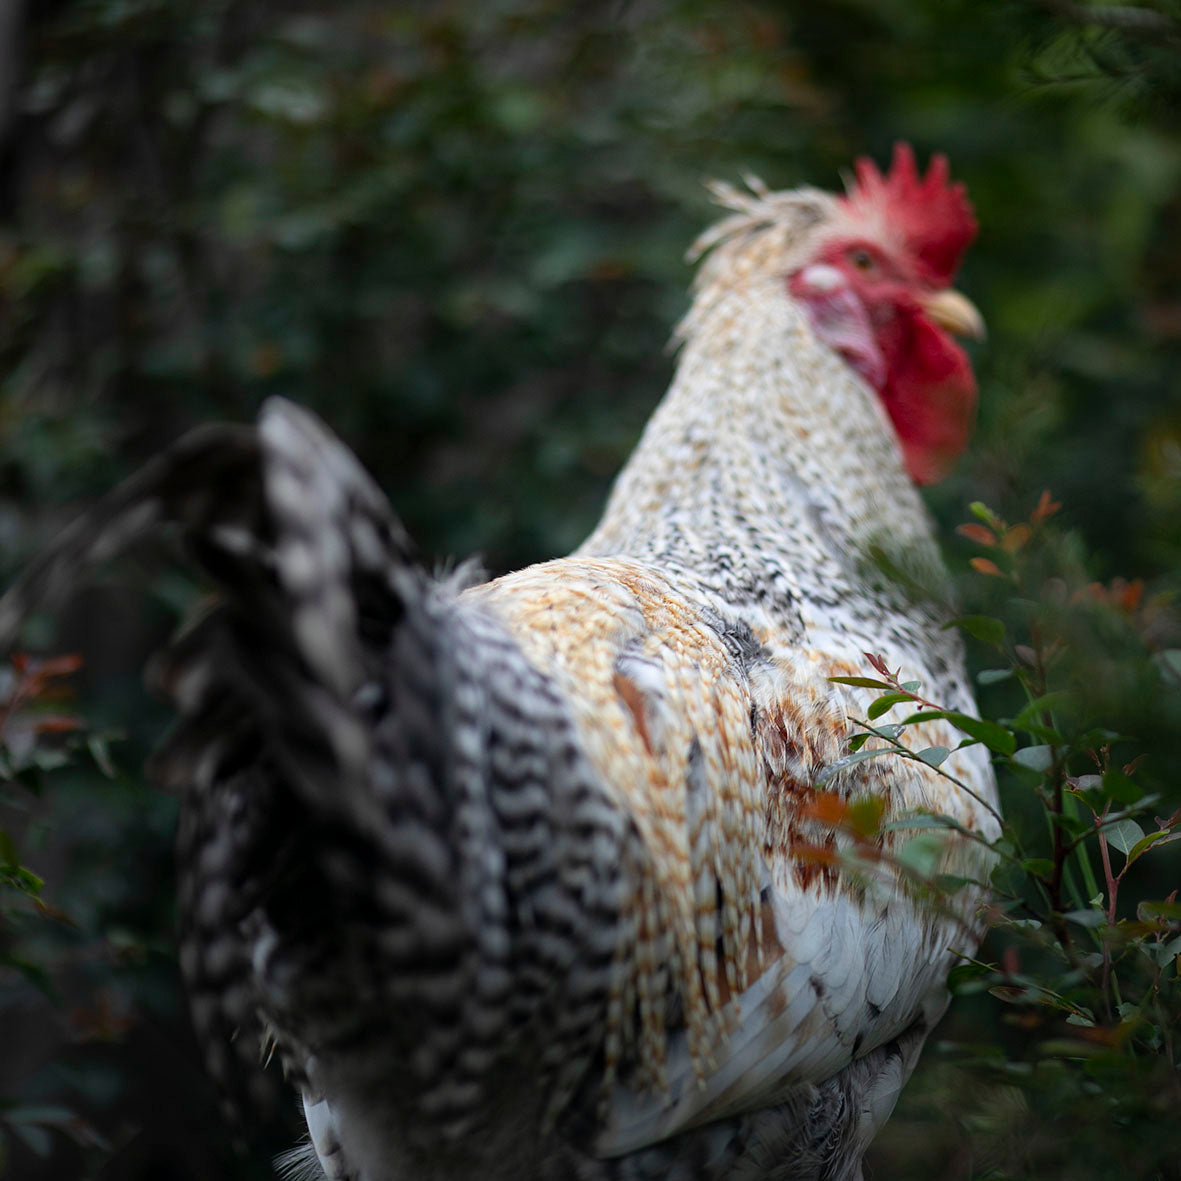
<point>827,807</point>
<point>977,533</point>
<point>1046,507</point>
<point>986,566</point>
<point>49,911</point>
<point>1128,594</point>
<point>57,724</point>
<point>1016,537</point>
<point>1130,768</point>
<point>58,666</point>
<point>1169,824</point>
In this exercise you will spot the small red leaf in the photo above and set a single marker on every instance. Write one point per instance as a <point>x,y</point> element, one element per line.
<point>1169,823</point>
<point>1046,507</point>
<point>59,666</point>
<point>977,533</point>
<point>57,724</point>
<point>1010,964</point>
<point>1016,537</point>
<point>1130,768</point>
<point>986,566</point>
<point>1128,594</point>
<point>827,807</point>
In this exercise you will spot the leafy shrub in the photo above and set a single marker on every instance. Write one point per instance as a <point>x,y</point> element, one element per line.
<point>36,739</point>
<point>1070,1063</point>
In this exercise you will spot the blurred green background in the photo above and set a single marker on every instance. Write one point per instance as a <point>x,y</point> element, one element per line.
<point>456,229</point>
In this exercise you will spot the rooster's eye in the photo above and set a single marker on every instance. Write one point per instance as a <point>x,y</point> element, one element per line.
<point>861,259</point>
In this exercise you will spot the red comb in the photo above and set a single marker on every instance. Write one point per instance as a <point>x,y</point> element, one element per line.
<point>935,218</point>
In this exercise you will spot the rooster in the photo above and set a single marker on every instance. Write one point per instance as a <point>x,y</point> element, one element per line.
<point>518,878</point>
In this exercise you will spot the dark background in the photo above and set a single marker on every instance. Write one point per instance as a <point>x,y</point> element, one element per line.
<point>456,229</point>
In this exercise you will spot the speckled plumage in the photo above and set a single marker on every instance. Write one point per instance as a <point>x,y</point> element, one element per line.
<point>509,874</point>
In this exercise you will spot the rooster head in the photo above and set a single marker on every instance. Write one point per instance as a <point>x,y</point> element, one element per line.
<point>876,287</point>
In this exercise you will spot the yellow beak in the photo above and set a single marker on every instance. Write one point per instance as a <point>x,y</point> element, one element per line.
<point>956,313</point>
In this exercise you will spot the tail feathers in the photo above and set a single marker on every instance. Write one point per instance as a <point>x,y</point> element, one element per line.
<point>271,684</point>
<point>394,855</point>
<point>315,566</point>
<point>207,482</point>
<point>341,556</point>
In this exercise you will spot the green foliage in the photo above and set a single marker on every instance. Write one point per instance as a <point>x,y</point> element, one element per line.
<point>456,229</point>
<point>36,739</point>
<point>1080,979</point>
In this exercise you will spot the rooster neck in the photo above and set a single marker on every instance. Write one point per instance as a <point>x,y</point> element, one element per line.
<point>770,474</point>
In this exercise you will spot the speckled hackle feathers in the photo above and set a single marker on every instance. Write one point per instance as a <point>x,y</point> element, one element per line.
<point>515,878</point>
<point>764,234</point>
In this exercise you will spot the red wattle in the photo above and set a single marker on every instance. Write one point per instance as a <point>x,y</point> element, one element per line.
<point>930,395</point>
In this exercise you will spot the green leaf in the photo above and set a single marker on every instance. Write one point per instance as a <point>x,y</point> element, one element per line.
<point>963,976</point>
<point>1118,787</point>
<point>995,737</point>
<point>1073,826</point>
<point>100,752</point>
<point>858,741</point>
<point>1041,705</point>
<point>990,676</point>
<point>8,854</point>
<point>1013,995</point>
<point>983,513</point>
<point>858,756</point>
<point>35,1137</point>
<point>1170,662</point>
<point>1086,918</point>
<point>933,755</point>
<point>1036,758</point>
<point>1040,867</point>
<point>983,627</point>
<point>1043,733</point>
<point>1167,951</point>
<point>1163,837</point>
<point>921,853</point>
<point>879,707</point>
<point>1007,878</point>
<point>866,815</point>
<point>1123,835</point>
<point>861,682</point>
<point>921,820</point>
<point>22,879</point>
<point>49,758</point>
<point>1169,911</point>
<point>1096,737</point>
